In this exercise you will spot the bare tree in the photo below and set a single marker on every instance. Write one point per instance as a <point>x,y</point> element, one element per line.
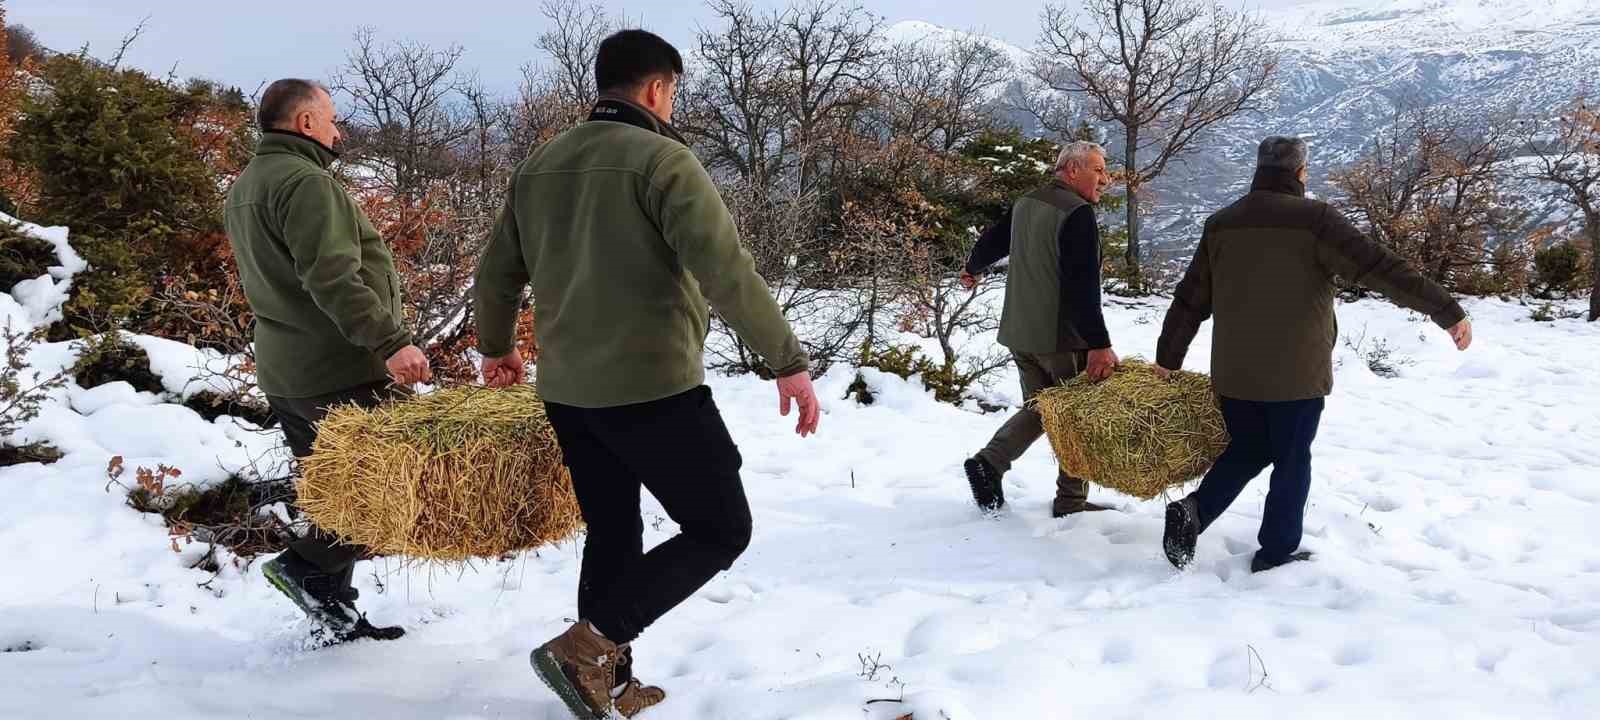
<point>469,199</point>
<point>830,52</point>
<point>400,97</point>
<point>571,45</point>
<point>1566,154</point>
<point>945,311</point>
<point>538,113</point>
<point>127,42</point>
<point>907,234</point>
<point>486,153</point>
<point>778,87</point>
<point>977,69</point>
<point>1165,70</point>
<point>429,154</point>
<point>733,108</point>
<point>874,257</point>
<point>939,93</point>
<point>778,225</point>
<point>910,90</point>
<point>1432,188</point>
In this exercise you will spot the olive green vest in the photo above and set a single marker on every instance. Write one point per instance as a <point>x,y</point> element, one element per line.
<point>1034,320</point>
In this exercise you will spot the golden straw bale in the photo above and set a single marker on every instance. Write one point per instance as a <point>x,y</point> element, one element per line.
<point>1135,433</point>
<point>448,476</point>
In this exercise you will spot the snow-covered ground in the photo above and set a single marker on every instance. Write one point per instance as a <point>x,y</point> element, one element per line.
<point>1453,513</point>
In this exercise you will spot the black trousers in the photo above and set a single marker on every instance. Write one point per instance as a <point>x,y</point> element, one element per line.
<point>680,450</point>
<point>1265,433</point>
<point>298,418</point>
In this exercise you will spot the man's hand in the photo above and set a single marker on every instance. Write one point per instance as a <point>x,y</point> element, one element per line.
<point>1462,334</point>
<point>503,371</point>
<point>797,388</point>
<point>1101,364</point>
<point>969,281</point>
<point>409,365</point>
<point>1163,373</point>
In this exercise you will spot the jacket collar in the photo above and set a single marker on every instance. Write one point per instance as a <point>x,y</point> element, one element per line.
<point>292,143</point>
<point>1056,182</point>
<point>1278,180</point>
<point>611,108</point>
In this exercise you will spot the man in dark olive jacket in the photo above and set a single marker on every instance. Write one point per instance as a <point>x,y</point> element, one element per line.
<point>1265,271</point>
<point>329,327</point>
<point>1052,322</point>
<point>625,241</point>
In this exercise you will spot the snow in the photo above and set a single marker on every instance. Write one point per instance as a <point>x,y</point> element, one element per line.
<point>184,369</point>
<point>1452,514</point>
<point>919,32</point>
<point>38,301</point>
<point>1458,25</point>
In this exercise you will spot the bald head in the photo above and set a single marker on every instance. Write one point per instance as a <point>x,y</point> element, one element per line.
<point>299,106</point>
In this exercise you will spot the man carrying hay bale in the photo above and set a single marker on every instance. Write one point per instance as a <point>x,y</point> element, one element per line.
<point>624,239</point>
<point>329,327</point>
<point>1265,269</point>
<point>1052,321</point>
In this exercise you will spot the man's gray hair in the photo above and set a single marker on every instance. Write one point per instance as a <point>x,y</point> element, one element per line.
<point>1286,153</point>
<point>1077,152</point>
<point>283,99</point>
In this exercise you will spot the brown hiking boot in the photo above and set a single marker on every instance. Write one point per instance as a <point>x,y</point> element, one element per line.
<point>637,696</point>
<point>633,697</point>
<point>580,667</point>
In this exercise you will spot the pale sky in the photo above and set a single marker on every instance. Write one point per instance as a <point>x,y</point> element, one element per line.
<point>246,44</point>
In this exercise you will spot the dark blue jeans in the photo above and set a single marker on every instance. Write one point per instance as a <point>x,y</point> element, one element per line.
<point>1265,433</point>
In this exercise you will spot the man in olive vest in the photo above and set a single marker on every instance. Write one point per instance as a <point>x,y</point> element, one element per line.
<point>1264,270</point>
<point>329,327</point>
<point>1052,321</point>
<point>625,241</point>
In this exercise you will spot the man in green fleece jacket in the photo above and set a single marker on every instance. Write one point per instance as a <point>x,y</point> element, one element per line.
<point>1264,270</point>
<point>625,241</point>
<point>329,328</point>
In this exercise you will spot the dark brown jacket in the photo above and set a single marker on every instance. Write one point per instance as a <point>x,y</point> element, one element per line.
<point>1265,269</point>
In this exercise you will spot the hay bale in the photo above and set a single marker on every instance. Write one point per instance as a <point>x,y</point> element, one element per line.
<point>1134,432</point>
<point>448,476</point>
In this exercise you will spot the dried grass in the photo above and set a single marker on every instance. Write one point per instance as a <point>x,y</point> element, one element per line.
<point>1135,433</point>
<point>448,476</point>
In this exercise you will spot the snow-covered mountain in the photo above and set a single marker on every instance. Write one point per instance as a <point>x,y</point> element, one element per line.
<point>917,31</point>
<point>1348,66</point>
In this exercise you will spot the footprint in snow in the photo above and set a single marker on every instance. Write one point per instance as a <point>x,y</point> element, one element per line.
<point>1116,652</point>
<point>1352,655</point>
<point>1383,503</point>
<point>1488,660</point>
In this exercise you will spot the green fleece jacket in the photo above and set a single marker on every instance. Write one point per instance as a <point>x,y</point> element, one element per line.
<point>625,241</point>
<point>320,280</point>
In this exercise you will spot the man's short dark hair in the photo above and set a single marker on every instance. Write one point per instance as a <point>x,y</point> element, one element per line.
<point>1285,153</point>
<point>284,98</point>
<point>629,58</point>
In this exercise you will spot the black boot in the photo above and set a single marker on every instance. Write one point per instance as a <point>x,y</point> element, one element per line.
<point>1182,533</point>
<point>1261,563</point>
<point>328,600</point>
<point>985,482</point>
